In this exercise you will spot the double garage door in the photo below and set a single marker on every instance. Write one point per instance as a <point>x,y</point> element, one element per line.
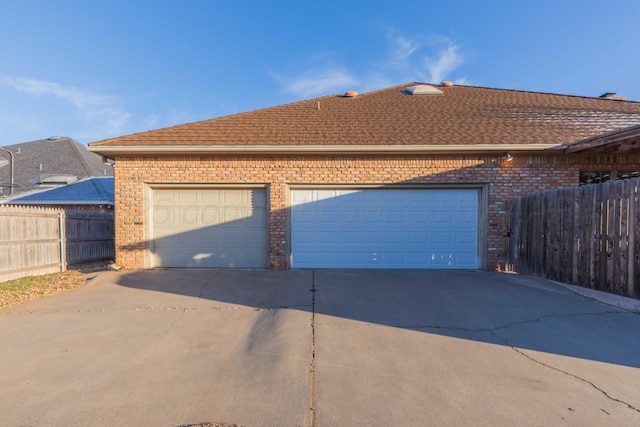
<point>329,228</point>
<point>390,228</point>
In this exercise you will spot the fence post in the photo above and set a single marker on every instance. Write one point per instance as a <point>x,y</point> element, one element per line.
<point>63,243</point>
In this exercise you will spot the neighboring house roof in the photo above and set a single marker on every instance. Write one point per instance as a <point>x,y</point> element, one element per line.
<point>54,161</point>
<point>90,191</point>
<point>461,117</point>
<point>623,141</point>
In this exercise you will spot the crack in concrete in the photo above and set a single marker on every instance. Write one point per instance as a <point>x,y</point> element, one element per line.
<point>493,331</point>
<point>455,328</point>
<point>184,310</point>
<point>546,365</point>
<point>550,316</point>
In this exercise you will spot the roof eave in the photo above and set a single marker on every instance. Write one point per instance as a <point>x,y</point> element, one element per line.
<point>613,138</point>
<point>113,150</point>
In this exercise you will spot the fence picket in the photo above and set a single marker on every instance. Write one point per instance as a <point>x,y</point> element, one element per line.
<point>35,240</point>
<point>587,236</point>
<point>633,256</point>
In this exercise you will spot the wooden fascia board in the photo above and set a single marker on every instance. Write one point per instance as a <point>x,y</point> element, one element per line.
<point>616,137</point>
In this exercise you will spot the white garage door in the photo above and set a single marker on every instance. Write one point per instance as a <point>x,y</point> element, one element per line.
<point>210,228</point>
<point>390,228</point>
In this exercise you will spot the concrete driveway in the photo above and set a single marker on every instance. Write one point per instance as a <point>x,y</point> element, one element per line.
<point>318,348</point>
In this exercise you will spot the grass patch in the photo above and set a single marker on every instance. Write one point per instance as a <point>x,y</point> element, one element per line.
<point>25,289</point>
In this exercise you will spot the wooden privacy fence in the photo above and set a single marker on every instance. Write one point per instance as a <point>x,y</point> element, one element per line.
<point>586,236</point>
<point>89,238</point>
<point>40,240</point>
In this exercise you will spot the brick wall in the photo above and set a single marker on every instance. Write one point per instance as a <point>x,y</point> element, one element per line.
<point>505,180</point>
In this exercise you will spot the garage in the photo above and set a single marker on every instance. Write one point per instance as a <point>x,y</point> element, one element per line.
<point>209,227</point>
<point>385,228</point>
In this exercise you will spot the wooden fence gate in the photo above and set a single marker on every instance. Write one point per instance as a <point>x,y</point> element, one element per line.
<point>586,236</point>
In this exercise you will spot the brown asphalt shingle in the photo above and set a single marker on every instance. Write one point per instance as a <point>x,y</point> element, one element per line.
<point>462,115</point>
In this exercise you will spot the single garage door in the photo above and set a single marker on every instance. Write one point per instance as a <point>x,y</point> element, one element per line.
<point>206,227</point>
<point>385,228</point>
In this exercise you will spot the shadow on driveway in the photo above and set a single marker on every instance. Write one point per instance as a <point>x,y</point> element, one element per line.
<point>496,308</point>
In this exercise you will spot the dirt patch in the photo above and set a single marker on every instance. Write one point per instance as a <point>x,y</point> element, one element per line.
<point>18,291</point>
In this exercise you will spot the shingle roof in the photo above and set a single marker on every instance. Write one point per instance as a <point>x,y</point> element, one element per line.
<point>58,156</point>
<point>462,115</point>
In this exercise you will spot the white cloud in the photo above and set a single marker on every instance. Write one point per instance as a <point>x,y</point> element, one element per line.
<point>403,47</point>
<point>87,114</point>
<point>447,60</point>
<point>321,82</point>
<point>409,58</point>
<point>415,58</point>
<point>463,81</point>
<point>78,97</point>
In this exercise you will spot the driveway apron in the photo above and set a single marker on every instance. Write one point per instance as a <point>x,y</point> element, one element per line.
<point>318,348</point>
<point>161,348</point>
<point>469,348</point>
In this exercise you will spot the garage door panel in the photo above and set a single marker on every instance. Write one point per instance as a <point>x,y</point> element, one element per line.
<point>465,237</point>
<point>462,258</point>
<point>442,217</point>
<point>259,199</point>
<point>210,216</point>
<point>186,197</point>
<point>210,198</point>
<point>188,217</point>
<point>164,198</point>
<point>442,237</point>
<point>394,237</point>
<point>418,215</point>
<point>371,196</point>
<point>254,222</point>
<point>209,228</point>
<point>397,258</point>
<point>302,217</point>
<point>346,257</point>
<point>329,237</point>
<point>416,259</point>
<point>419,237</point>
<point>235,214</point>
<point>442,260</point>
<point>464,218</point>
<point>163,216</point>
<point>303,237</point>
<point>370,236</point>
<point>375,228</point>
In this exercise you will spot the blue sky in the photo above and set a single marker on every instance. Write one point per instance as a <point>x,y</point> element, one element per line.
<point>97,69</point>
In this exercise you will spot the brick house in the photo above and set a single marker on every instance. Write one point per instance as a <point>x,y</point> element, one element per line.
<point>413,176</point>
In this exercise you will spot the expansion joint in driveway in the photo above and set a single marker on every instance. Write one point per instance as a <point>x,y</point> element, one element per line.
<point>313,348</point>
